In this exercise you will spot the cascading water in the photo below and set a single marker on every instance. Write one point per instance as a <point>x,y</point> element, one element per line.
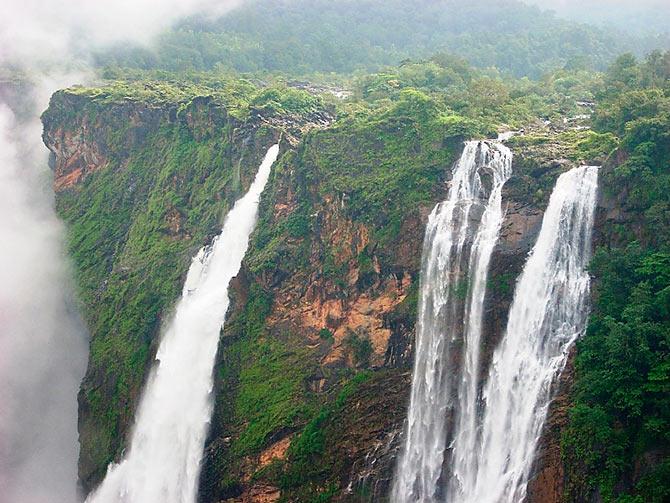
<point>491,461</point>
<point>459,240</point>
<point>163,461</point>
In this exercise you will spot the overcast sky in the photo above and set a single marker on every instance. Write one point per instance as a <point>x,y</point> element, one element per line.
<point>561,4</point>
<point>605,8</point>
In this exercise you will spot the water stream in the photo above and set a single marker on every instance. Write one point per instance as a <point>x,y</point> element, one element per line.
<point>459,240</point>
<point>493,453</point>
<point>163,461</point>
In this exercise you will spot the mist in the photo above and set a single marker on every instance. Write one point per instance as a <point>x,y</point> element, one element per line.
<point>43,341</point>
<point>644,17</point>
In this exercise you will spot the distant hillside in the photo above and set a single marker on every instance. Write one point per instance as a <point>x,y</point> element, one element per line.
<point>306,36</point>
<point>645,17</point>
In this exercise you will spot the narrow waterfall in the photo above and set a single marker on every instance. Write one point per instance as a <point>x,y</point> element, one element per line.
<point>164,458</point>
<point>459,240</point>
<point>491,461</point>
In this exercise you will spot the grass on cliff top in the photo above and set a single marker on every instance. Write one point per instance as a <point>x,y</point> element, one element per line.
<point>238,95</point>
<point>579,145</point>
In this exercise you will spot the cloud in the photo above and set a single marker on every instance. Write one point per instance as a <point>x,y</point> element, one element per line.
<point>43,347</point>
<point>42,344</point>
<point>54,31</point>
<point>602,6</point>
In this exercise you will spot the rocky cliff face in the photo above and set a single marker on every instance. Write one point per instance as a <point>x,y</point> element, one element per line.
<point>142,183</point>
<point>313,371</point>
<point>372,297</point>
<point>340,292</point>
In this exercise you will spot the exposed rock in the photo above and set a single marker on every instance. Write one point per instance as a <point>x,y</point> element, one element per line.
<point>371,297</point>
<point>547,480</point>
<point>276,451</point>
<point>365,437</point>
<point>97,141</point>
<point>257,493</point>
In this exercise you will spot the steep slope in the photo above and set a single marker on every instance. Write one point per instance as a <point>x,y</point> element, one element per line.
<point>312,377</point>
<point>143,177</point>
<point>349,449</point>
<point>615,444</point>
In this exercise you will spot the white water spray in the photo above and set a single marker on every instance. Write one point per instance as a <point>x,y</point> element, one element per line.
<point>42,339</point>
<point>459,240</point>
<point>164,458</point>
<point>492,461</point>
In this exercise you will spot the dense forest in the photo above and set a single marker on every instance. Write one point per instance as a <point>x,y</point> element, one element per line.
<point>304,37</point>
<point>621,412</point>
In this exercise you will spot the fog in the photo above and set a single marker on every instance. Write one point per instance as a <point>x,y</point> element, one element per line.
<point>645,17</point>
<point>57,31</point>
<point>563,4</point>
<point>43,344</point>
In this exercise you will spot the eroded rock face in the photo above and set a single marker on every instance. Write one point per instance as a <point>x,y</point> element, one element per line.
<point>363,440</point>
<point>361,299</point>
<point>77,158</point>
<point>368,436</point>
<point>349,287</point>
<point>121,165</point>
<point>88,147</point>
<point>547,482</point>
<point>372,466</point>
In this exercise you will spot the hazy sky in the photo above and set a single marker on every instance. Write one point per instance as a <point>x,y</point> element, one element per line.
<point>604,10</point>
<point>638,17</point>
<point>562,4</point>
<point>48,30</point>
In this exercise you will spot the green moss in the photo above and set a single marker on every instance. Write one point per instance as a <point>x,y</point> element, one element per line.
<point>502,284</point>
<point>133,226</point>
<point>361,348</point>
<point>272,393</point>
<point>326,334</point>
<point>305,465</point>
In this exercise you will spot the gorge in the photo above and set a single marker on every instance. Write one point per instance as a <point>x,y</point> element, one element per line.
<point>311,382</point>
<point>307,271</point>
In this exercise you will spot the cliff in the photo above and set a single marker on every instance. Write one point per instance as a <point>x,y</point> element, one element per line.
<point>143,176</point>
<point>313,370</point>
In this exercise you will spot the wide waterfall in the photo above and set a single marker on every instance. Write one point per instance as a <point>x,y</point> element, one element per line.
<point>491,461</point>
<point>459,240</point>
<point>164,457</point>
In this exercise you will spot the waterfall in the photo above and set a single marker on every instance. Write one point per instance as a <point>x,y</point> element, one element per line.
<point>491,462</point>
<point>459,240</point>
<point>164,458</point>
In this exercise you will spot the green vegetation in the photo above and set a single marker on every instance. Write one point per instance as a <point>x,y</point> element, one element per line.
<point>300,37</point>
<point>130,261</point>
<point>272,391</point>
<point>178,148</point>
<point>306,468</point>
<point>361,348</point>
<point>262,390</point>
<point>617,442</point>
<point>160,192</point>
<point>326,334</point>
